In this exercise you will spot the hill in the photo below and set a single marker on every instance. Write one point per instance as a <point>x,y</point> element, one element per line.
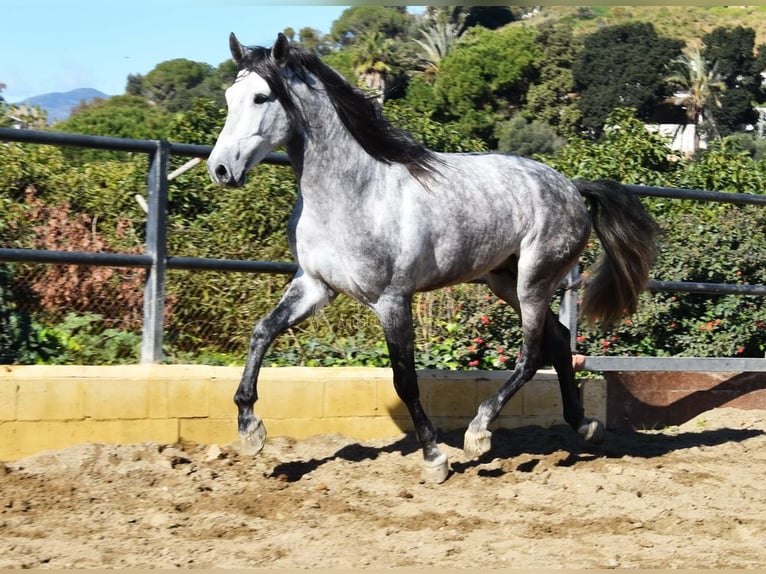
<point>59,105</point>
<point>688,23</point>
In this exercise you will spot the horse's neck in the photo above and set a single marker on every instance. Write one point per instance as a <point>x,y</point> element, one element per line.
<point>326,154</point>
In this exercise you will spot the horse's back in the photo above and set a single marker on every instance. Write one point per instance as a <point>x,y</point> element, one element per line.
<point>510,196</point>
<point>513,178</point>
<point>484,209</point>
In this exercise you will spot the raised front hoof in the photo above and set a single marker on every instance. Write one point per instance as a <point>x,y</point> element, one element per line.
<point>253,437</point>
<point>592,431</point>
<point>436,471</point>
<point>476,444</point>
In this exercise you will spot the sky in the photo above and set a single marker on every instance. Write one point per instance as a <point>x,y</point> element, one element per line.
<point>59,45</point>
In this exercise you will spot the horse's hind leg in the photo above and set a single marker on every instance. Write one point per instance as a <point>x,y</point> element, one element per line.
<point>395,314</point>
<point>532,308</point>
<point>302,298</point>
<point>545,339</point>
<point>478,438</point>
<point>557,352</point>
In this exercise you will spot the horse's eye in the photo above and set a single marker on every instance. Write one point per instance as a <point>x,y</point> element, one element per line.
<point>260,99</point>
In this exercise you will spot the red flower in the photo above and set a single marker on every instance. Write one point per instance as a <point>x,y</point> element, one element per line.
<point>473,363</point>
<point>484,319</point>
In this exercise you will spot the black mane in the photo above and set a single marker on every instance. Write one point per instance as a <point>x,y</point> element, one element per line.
<point>358,113</point>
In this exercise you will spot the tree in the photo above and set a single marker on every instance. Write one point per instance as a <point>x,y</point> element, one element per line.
<point>731,50</point>
<point>371,62</point>
<point>437,136</point>
<point>134,85</point>
<point>343,62</point>
<point>314,40</point>
<point>358,21</point>
<point>200,124</point>
<point>119,116</point>
<point>550,97</point>
<point>520,137</point>
<point>174,84</point>
<point>622,66</point>
<point>438,40</point>
<point>485,77</point>
<point>700,88</point>
<point>490,17</point>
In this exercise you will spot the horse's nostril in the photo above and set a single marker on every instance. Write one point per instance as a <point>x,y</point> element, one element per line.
<point>221,171</point>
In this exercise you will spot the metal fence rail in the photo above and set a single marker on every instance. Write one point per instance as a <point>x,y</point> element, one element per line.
<point>157,261</point>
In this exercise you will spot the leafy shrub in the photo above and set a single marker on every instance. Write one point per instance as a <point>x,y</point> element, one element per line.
<point>22,340</point>
<point>85,340</point>
<point>78,287</point>
<point>517,136</point>
<point>700,242</point>
<point>46,202</point>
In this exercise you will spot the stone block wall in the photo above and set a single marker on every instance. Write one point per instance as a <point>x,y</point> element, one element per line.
<point>50,407</point>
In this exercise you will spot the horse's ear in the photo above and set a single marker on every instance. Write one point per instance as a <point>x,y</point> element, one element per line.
<point>281,49</point>
<point>238,51</point>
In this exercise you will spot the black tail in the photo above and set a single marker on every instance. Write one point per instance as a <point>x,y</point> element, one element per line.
<point>629,237</point>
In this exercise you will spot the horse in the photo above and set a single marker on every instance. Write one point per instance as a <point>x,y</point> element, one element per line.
<point>380,217</point>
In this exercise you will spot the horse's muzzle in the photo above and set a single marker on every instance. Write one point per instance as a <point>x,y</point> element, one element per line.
<point>221,175</point>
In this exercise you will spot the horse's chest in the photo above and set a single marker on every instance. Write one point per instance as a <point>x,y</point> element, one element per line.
<point>348,258</point>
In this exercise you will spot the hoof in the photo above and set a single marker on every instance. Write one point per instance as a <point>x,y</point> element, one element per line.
<point>253,437</point>
<point>592,431</point>
<point>436,471</point>
<point>476,444</point>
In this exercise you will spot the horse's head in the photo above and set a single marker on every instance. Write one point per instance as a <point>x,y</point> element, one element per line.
<point>256,122</point>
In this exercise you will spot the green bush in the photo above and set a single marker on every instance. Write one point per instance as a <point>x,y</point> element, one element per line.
<point>85,340</point>
<point>700,242</point>
<point>22,340</point>
<point>212,313</point>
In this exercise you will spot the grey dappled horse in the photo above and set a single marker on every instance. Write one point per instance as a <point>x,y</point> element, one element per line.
<point>380,217</point>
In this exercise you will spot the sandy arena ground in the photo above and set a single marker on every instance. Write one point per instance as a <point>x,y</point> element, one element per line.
<point>685,497</point>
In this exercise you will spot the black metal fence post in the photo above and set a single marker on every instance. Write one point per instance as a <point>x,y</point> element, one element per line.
<point>156,248</point>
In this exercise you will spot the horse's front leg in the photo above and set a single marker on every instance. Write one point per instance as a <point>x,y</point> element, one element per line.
<point>302,299</point>
<point>395,315</point>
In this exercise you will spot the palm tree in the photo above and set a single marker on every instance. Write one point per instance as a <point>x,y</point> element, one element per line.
<point>700,86</point>
<point>438,40</point>
<point>442,27</point>
<point>371,62</point>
